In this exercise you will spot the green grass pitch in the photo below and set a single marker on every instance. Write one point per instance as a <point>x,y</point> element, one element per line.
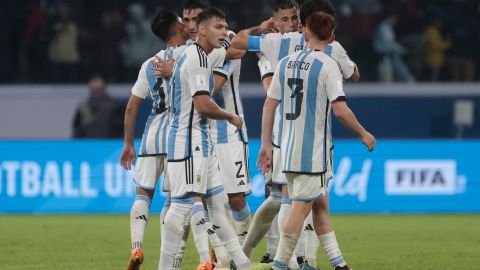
<point>373,242</point>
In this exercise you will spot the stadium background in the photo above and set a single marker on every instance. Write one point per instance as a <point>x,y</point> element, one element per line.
<point>426,160</point>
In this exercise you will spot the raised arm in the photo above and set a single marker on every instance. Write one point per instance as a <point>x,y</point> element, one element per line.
<point>240,41</point>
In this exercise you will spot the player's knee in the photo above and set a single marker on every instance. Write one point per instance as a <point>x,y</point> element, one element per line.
<point>237,201</point>
<point>145,192</point>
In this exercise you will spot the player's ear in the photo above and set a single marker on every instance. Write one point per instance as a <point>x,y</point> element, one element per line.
<point>306,35</point>
<point>202,28</point>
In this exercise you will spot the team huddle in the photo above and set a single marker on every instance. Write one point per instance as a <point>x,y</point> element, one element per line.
<point>195,136</point>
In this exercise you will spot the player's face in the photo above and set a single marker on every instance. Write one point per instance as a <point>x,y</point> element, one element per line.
<point>182,28</point>
<point>190,20</point>
<point>286,20</point>
<point>214,31</point>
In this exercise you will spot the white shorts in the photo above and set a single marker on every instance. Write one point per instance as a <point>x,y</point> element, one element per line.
<point>306,187</point>
<point>233,163</point>
<point>278,177</point>
<point>196,174</point>
<point>147,171</point>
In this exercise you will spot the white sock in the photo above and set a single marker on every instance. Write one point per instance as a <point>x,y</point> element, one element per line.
<point>177,262</point>
<point>173,231</point>
<point>139,220</point>
<point>273,236</point>
<point>285,251</point>
<point>329,244</point>
<point>311,241</point>
<point>199,230</point>
<point>282,218</point>
<point>241,221</point>
<point>261,222</point>
<point>216,201</point>
<point>166,206</point>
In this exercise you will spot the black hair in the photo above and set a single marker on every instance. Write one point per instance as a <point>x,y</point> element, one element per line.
<point>193,4</point>
<point>209,13</point>
<point>283,4</point>
<point>312,6</point>
<point>162,24</point>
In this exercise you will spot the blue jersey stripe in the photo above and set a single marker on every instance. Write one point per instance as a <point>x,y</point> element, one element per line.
<point>284,48</point>
<point>328,50</point>
<point>175,104</point>
<point>283,64</point>
<point>310,122</point>
<point>143,151</point>
<point>222,125</point>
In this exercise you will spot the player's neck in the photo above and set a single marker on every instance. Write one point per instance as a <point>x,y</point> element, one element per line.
<point>204,45</point>
<point>317,45</point>
<point>176,41</point>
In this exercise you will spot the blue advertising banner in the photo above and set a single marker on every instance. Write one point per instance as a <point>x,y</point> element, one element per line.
<point>398,177</point>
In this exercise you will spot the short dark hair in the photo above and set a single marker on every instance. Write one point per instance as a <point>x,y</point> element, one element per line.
<point>283,4</point>
<point>193,4</point>
<point>321,24</point>
<point>163,23</point>
<point>312,6</point>
<point>209,13</point>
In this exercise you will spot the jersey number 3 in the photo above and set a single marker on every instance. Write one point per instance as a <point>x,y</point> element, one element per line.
<point>296,84</point>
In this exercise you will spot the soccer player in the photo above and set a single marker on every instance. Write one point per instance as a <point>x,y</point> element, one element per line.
<point>230,146</point>
<point>308,84</point>
<point>192,165</point>
<point>275,46</point>
<point>151,159</point>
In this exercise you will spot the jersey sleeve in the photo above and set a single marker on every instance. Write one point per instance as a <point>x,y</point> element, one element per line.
<point>199,80</point>
<point>141,87</point>
<point>265,67</point>
<point>334,83</point>
<point>225,71</point>
<point>274,89</point>
<point>347,66</point>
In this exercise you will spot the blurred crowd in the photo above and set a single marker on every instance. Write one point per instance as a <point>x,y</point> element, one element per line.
<point>59,41</point>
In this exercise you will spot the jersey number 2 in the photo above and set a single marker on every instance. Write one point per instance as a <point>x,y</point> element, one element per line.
<point>296,84</point>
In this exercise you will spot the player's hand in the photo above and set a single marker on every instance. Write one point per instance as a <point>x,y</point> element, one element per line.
<point>268,26</point>
<point>264,161</point>
<point>127,158</point>
<point>237,121</point>
<point>163,68</point>
<point>369,141</point>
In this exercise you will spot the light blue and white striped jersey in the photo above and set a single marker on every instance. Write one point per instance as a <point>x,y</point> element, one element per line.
<point>228,98</point>
<point>275,46</point>
<point>306,83</point>
<point>192,75</point>
<point>154,139</point>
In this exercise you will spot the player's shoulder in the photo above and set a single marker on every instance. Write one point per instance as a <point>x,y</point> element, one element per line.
<point>195,56</point>
<point>327,61</point>
<point>294,35</point>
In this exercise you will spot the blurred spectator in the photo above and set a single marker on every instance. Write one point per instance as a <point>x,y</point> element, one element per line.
<point>93,118</point>
<point>105,46</point>
<point>63,51</point>
<point>435,47</point>
<point>390,51</point>
<point>140,43</point>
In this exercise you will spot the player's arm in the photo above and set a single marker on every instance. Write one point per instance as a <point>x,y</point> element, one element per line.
<point>266,72</point>
<point>232,52</point>
<point>127,158</point>
<point>356,75</point>
<point>348,68</point>
<point>219,83</point>
<point>242,39</point>
<point>206,107</point>
<point>140,91</point>
<point>348,120</point>
<point>334,88</point>
<point>273,99</point>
